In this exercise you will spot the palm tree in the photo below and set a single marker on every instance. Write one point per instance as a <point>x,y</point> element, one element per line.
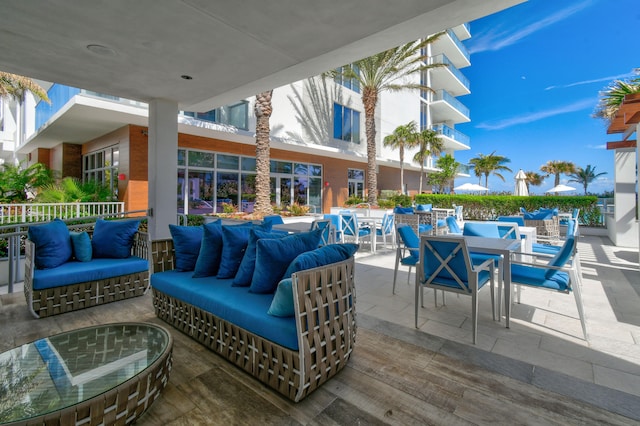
<point>533,178</point>
<point>554,167</point>
<point>489,164</point>
<point>386,71</point>
<point>585,176</point>
<point>429,143</point>
<point>263,110</point>
<point>402,137</point>
<point>612,97</point>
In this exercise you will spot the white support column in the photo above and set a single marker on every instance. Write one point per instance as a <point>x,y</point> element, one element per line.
<point>163,163</point>
<point>626,226</point>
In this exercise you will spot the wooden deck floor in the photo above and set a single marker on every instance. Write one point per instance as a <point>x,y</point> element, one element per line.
<point>389,380</point>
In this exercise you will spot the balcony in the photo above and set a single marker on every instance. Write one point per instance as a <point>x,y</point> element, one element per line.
<point>452,47</point>
<point>446,108</point>
<point>454,139</point>
<point>448,77</point>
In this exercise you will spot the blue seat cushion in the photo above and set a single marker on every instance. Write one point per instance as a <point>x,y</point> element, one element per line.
<point>113,238</point>
<point>483,278</point>
<point>534,276</point>
<point>53,244</point>
<point>403,210</point>
<point>74,272</point>
<point>186,242</point>
<point>234,304</point>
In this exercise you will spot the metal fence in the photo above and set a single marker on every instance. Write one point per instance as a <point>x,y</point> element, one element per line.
<point>43,212</point>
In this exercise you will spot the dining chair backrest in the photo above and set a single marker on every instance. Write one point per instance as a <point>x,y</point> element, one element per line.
<point>452,223</point>
<point>274,219</point>
<point>412,220</point>
<point>561,258</point>
<point>575,213</point>
<point>516,219</point>
<point>481,229</point>
<point>349,223</point>
<point>387,223</point>
<point>445,262</point>
<point>458,212</point>
<point>408,239</point>
<point>327,236</point>
<point>336,223</point>
<point>508,230</point>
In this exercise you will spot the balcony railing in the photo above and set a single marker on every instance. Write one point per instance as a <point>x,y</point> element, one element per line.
<point>60,95</point>
<point>454,134</point>
<point>459,44</point>
<point>32,212</point>
<point>443,95</point>
<point>442,59</point>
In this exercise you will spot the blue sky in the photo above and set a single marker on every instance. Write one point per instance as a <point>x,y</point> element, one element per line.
<point>536,73</point>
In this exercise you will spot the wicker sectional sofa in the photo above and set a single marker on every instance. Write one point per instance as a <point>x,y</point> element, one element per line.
<point>291,354</point>
<point>120,272</point>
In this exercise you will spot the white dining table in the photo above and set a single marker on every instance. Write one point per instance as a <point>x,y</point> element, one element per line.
<point>371,222</point>
<point>505,248</point>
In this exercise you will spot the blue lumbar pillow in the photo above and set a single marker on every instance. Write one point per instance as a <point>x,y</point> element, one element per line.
<point>113,239</point>
<point>81,244</point>
<point>322,256</point>
<point>210,253</point>
<point>273,256</point>
<point>248,265</point>
<point>53,244</point>
<point>186,242</point>
<point>282,303</point>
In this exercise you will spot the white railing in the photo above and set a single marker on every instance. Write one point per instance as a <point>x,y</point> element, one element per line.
<point>42,212</point>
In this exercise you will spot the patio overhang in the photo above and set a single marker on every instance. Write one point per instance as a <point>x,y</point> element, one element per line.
<point>627,116</point>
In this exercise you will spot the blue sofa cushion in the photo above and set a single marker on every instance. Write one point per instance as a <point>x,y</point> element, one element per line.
<point>210,254</point>
<point>248,264</point>
<point>538,216</point>
<point>234,243</point>
<point>113,239</point>
<point>403,210</point>
<point>233,304</point>
<point>424,207</point>
<point>282,303</point>
<point>81,244</point>
<point>53,244</point>
<point>273,257</point>
<point>322,256</point>
<point>186,243</point>
<point>74,272</point>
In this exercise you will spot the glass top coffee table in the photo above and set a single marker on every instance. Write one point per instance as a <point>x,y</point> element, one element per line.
<point>103,374</point>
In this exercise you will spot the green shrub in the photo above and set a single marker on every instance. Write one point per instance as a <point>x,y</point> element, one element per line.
<point>353,200</point>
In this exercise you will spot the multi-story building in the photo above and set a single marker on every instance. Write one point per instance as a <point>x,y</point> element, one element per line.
<point>318,145</point>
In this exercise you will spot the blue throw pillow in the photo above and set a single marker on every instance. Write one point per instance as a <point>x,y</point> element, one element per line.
<point>53,244</point>
<point>326,255</point>
<point>81,244</point>
<point>282,303</point>
<point>186,243</point>
<point>273,256</point>
<point>208,260</point>
<point>248,265</point>
<point>234,243</point>
<point>113,239</point>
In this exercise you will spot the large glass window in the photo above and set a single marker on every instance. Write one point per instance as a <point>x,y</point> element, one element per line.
<point>346,123</point>
<point>355,179</point>
<point>349,83</point>
<point>226,191</point>
<point>235,115</point>
<point>102,167</point>
<point>200,192</point>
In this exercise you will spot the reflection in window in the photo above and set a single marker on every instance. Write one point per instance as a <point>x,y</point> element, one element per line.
<point>248,164</point>
<point>102,167</point>
<point>248,194</point>
<point>226,191</point>
<point>355,179</point>
<point>346,123</point>
<point>230,162</point>
<point>280,167</point>
<point>201,159</point>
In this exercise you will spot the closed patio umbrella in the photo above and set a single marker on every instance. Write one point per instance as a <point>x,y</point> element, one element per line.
<point>521,184</point>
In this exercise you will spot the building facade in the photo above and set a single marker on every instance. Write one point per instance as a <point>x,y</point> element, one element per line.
<point>318,145</point>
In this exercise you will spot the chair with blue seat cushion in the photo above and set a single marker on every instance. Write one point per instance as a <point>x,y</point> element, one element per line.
<point>407,250</point>
<point>403,210</point>
<point>352,229</point>
<point>481,229</point>
<point>386,229</point>
<point>516,219</point>
<point>445,264</point>
<point>560,274</point>
<point>274,219</point>
<point>336,223</point>
<point>413,220</point>
<point>452,224</point>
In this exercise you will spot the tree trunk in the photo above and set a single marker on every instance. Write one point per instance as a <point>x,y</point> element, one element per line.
<point>401,169</point>
<point>370,100</point>
<point>263,110</point>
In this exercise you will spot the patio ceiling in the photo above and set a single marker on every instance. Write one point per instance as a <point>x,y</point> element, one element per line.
<point>231,50</point>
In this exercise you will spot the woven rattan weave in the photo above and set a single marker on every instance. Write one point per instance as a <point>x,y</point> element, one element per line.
<point>325,319</point>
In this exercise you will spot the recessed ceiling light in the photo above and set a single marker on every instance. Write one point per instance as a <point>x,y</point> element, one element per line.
<point>101,50</point>
<point>186,77</point>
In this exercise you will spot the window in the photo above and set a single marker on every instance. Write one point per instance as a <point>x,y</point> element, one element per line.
<point>349,83</point>
<point>235,115</point>
<point>102,167</point>
<point>346,124</point>
<point>355,181</point>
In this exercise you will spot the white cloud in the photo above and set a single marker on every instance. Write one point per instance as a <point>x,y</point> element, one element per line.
<point>597,80</point>
<point>499,39</point>
<point>602,146</point>
<point>529,118</point>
